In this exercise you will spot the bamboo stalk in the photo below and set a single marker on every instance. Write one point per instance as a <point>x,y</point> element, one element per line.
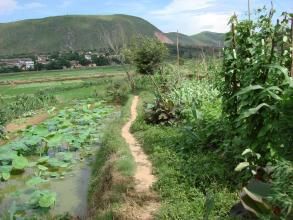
<point>292,46</point>
<point>249,10</point>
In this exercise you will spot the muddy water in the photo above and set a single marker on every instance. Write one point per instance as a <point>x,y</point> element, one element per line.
<point>71,192</point>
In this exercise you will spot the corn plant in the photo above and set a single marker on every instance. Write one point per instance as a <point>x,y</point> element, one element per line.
<point>257,62</point>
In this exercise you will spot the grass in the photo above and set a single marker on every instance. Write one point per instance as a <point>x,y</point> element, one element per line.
<point>187,180</point>
<point>60,73</point>
<point>112,170</point>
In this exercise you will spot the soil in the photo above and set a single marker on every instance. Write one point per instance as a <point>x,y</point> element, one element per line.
<point>23,123</point>
<point>144,179</point>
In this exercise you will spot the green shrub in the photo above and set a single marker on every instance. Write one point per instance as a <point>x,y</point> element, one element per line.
<point>148,54</point>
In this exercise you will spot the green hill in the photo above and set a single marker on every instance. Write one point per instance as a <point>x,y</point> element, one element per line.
<point>209,39</point>
<point>82,32</point>
<point>74,32</point>
<point>183,39</point>
<point>206,38</point>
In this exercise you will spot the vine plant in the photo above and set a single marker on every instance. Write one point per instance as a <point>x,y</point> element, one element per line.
<point>257,100</point>
<point>257,63</point>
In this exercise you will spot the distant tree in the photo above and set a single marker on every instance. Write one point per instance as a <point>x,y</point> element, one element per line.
<point>54,56</point>
<point>100,60</point>
<point>148,54</point>
<point>39,66</point>
<point>58,64</point>
<point>83,61</point>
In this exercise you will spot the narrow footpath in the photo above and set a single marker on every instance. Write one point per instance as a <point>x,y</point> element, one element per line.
<point>144,179</point>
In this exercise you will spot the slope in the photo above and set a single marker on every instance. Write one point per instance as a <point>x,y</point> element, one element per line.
<point>209,39</point>
<point>72,32</point>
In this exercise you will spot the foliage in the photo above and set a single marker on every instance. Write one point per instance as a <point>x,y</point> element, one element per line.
<point>148,54</point>
<point>162,112</point>
<point>113,159</point>
<point>282,189</point>
<point>117,92</point>
<point>43,199</point>
<point>193,98</point>
<point>53,148</point>
<point>257,62</point>
<point>100,60</point>
<point>188,179</point>
<point>24,104</point>
<point>3,120</point>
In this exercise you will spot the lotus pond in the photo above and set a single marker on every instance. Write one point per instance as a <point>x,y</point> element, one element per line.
<point>46,171</point>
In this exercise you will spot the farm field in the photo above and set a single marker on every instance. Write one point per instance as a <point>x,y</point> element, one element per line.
<point>68,178</point>
<point>162,138</point>
<point>60,73</point>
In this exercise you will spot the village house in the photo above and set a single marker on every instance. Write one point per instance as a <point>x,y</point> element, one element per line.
<point>21,63</point>
<point>88,56</point>
<point>75,64</point>
<point>43,59</point>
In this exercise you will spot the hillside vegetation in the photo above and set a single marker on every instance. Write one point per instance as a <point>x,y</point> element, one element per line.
<point>70,33</point>
<point>205,38</point>
<point>84,32</point>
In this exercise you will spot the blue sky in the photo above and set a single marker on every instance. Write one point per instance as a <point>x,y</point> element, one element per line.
<point>188,16</point>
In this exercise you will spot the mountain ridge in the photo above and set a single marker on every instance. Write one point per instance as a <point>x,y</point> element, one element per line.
<point>78,32</point>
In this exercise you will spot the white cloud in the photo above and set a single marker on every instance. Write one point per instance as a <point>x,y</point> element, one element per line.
<point>189,23</point>
<point>7,6</point>
<point>191,17</point>
<point>180,6</point>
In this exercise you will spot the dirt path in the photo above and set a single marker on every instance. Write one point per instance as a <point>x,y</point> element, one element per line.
<point>144,178</point>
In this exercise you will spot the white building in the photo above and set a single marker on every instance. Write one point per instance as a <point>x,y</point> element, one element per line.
<point>88,57</point>
<point>29,65</point>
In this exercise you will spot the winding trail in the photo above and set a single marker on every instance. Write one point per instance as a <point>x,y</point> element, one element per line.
<point>144,178</point>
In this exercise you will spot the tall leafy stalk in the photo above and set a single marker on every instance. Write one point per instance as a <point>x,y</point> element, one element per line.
<point>257,62</point>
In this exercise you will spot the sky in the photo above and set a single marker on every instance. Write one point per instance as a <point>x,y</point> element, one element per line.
<point>186,16</point>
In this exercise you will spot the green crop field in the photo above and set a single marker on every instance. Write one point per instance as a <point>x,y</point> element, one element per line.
<point>60,73</point>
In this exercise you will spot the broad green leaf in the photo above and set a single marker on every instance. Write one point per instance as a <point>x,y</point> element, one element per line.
<point>20,163</point>
<point>42,168</point>
<point>253,111</point>
<point>248,89</point>
<point>282,69</point>
<point>35,181</point>
<point>241,166</point>
<point>246,151</point>
<point>5,176</point>
<point>43,159</point>
<point>275,96</point>
<point>47,200</point>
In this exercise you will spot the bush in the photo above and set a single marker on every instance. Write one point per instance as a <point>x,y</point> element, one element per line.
<point>148,54</point>
<point>118,92</point>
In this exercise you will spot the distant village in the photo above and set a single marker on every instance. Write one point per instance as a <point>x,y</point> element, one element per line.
<point>54,61</point>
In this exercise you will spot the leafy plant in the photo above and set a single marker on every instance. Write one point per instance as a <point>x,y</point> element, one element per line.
<point>42,199</point>
<point>256,69</point>
<point>148,54</point>
<point>19,163</point>
<point>162,112</point>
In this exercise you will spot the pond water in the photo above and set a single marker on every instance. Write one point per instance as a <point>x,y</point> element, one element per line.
<point>71,191</point>
<point>56,181</point>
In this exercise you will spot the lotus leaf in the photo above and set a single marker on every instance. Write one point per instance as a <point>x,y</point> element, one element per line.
<point>35,181</point>
<point>19,163</point>
<point>42,168</point>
